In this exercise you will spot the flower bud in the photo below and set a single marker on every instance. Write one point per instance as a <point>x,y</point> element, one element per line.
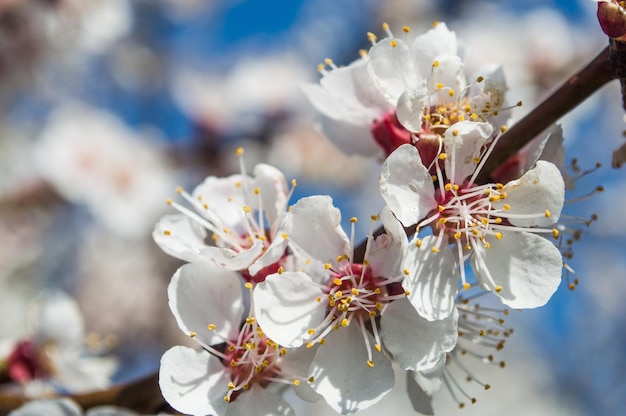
<point>612,17</point>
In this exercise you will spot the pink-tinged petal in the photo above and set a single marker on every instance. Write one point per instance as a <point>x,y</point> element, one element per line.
<point>411,105</point>
<point>448,73</point>
<point>286,306</point>
<point>537,197</point>
<point>429,341</point>
<point>341,373</point>
<point>392,65</point>
<point>180,237</point>
<point>259,401</point>
<point>225,198</point>
<point>388,249</point>
<point>274,192</point>
<point>229,259</point>
<point>193,381</point>
<point>406,185</point>
<point>432,280</point>
<point>201,294</point>
<point>314,227</point>
<point>437,41</point>
<point>526,266</point>
<point>463,143</point>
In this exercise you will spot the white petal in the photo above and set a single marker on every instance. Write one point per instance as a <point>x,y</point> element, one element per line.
<point>338,108</point>
<point>258,401</point>
<point>435,42</point>
<point>274,192</point>
<point>314,226</point>
<point>448,73</point>
<point>433,279</point>
<point>201,294</point>
<point>342,376</point>
<point>410,107</point>
<point>55,318</point>
<point>463,143</point>
<point>179,237</point>
<point>351,138</point>
<point>387,250</point>
<point>225,198</point>
<point>491,91</point>
<point>296,363</point>
<point>393,68</point>
<point>406,185</point>
<point>272,255</point>
<point>232,260</point>
<point>286,308</point>
<point>430,380</point>
<point>193,381</point>
<point>527,266</point>
<point>401,326</point>
<point>48,407</point>
<point>538,191</point>
<point>421,401</point>
<point>549,147</point>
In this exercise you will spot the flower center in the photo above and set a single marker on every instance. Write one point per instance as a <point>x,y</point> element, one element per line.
<point>26,363</point>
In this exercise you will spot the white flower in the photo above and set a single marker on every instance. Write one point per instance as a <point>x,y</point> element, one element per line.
<point>92,158</point>
<point>66,407</point>
<point>404,92</point>
<point>240,213</point>
<point>337,301</point>
<point>207,304</point>
<point>495,225</point>
<point>54,358</point>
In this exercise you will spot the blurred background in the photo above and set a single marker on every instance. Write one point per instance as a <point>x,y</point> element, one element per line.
<point>107,105</point>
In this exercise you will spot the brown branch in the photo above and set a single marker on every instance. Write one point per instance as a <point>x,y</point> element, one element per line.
<point>574,91</point>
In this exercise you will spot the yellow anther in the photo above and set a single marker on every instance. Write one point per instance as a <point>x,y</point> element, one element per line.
<point>435,250</point>
<point>310,344</point>
<point>484,221</point>
<point>344,322</point>
<point>442,220</point>
<point>406,272</point>
<point>439,85</point>
<point>498,288</point>
<point>355,291</point>
<point>238,184</point>
<point>327,266</point>
<point>362,53</point>
<point>434,178</point>
<point>227,399</point>
<point>406,29</point>
<point>179,189</point>
<point>503,195</point>
<point>499,186</point>
<point>310,331</point>
<point>385,26</point>
<point>328,61</point>
<point>377,291</point>
<point>461,117</point>
<point>371,37</point>
<point>353,220</point>
<point>466,286</point>
<point>473,117</point>
<point>248,285</point>
<point>246,209</point>
<point>169,201</point>
<point>211,327</point>
<point>457,235</point>
<point>435,63</point>
<point>555,233</point>
<point>284,236</point>
<point>418,243</point>
<point>435,23</point>
<point>499,236</point>
<point>451,93</point>
<point>379,305</point>
<point>372,314</point>
<point>468,247</point>
<point>498,220</point>
<point>393,43</point>
<point>374,217</point>
<point>250,320</point>
<point>548,213</point>
<point>503,128</point>
<point>257,190</point>
<point>487,244</point>
<point>339,258</point>
<point>337,281</point>
<point>377,347</point>
<point>321,67</point>
<point>519,103</point>
<point>366,262</point>
<point>370,363</point>
<point>239,151</point>
<point>480,79</point>
<point>455,187</point>
<point>455,132</point>
<point>441,208</point>
<point>506,207</point>
<point>448,186</point>
<point>338,294</point>
<point>231,385</point>
<point>280,270</point>
<point>407,293</point>
<point>192,334</point>
<point>167,232</point>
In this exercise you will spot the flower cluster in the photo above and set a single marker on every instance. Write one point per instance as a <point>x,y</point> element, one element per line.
<point>278,295</point>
